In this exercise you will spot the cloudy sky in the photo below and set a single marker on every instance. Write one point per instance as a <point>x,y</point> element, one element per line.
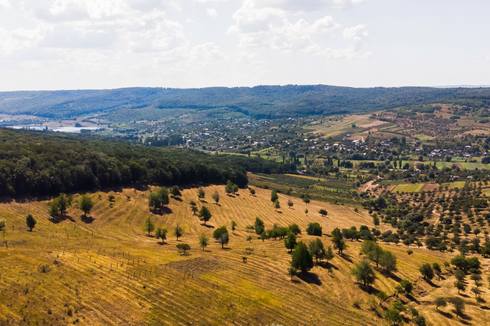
<point>80,44</point>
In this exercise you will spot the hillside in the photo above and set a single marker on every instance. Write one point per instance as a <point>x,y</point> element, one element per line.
<point>104,269</point>
<point>259,101</point>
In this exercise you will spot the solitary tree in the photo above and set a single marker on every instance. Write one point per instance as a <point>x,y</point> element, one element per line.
<point>86,204</point>
<point>161,233</point>
<point>290,241</point>
<point>274,196</point>
<point>426,271</point>
<point>290,203</point>
<point>314,229</point>
<point>203,240</point>
<point>277,205</point>
<point>178,232</point>
<point>149,225</point>
<point>252,191</point>
<point>382,297</point>
<point>154,201</point>
<point>233,226</point>
<point>31,222</point>
<point>175,191</point>
<point>53,209</point>
<point>193,206</point>
<point>200,193</point>
<point>215,197</point>
<point>162,194</point>
<point>364,273</point>
<point>406,286</point>
<point>183,247</point>
<point>221,235</point>
<point>323,212</point>
<point>204,214</point>
<point>301,258</point>
<point>458,305</point>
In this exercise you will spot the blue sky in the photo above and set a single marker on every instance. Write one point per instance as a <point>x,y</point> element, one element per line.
<point>85,44</point>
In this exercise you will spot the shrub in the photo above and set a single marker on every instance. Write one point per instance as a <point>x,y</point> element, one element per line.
<point>314,229</point>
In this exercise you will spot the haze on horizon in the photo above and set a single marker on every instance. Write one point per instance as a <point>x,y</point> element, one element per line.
<point>86,44</point>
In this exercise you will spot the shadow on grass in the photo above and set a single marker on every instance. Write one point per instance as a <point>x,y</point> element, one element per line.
<point>161,243</point>
<point>411,298</point>
<point>310,278</point>
<point>177,198</point>
<point>87,219</point>
<point>445,314</point>
<point>60,218</point>
<point>327,265</point>
<point>345,257</point>
<point>162,211</point>
<point>208,226</point>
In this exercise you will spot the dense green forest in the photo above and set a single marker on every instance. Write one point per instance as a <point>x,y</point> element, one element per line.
<point>259,101</point>
<point>37,164</point>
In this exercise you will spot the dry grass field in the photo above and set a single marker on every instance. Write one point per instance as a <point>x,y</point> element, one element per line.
<point>105,270</point>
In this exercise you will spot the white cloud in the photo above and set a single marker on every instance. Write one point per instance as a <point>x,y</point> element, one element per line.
<point>488,58</point>
<point>205,1</point>
<point>303,5</point>
<point>212,12</point>
<point>250,59</point>
<point>4,4</point>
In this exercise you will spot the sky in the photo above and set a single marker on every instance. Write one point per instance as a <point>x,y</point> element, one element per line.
<point>104,44</point>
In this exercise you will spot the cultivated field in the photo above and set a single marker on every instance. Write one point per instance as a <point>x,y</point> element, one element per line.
<point>104,269</point>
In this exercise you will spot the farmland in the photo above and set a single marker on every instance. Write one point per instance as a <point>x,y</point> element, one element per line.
<point>105,269</point>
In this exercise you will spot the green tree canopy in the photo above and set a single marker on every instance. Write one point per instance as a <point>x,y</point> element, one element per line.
<point>301,258</point>
<point>364,273</point>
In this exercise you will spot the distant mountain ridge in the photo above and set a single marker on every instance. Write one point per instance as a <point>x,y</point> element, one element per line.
<point>258,101</point>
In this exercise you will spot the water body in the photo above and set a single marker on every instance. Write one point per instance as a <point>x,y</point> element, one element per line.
<point>60,129</point>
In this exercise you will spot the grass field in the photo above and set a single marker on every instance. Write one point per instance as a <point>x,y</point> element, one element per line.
<point>409,187</point>
<point>105,270</point>
<point>457,184</point>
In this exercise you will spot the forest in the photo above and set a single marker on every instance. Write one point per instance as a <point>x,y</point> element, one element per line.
<point>257,102</point>
<point>37,164</point>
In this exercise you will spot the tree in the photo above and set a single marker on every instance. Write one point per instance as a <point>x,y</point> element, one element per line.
<point>229,187</point>
<point>382,297</point>
<point>274,196</point>
<point>252,191</point>
<point>426,271</point>
<point>364,273</point>
<point>306,211</point>
<point>178,232</point>
<point>292,272</point>
<point>200,193</point>
<point>161,233</point>
<point>301,258</point>
<point>53,209</point>
<point>458,305</point>
<point>86,204</point>
<point>338,240</point>
<point>62,203</point>
<point>233,226</point>
<point>221,235</point>
<point>460,262</point>
<point>314,229</point>
<point>459,275</point>
<point>290,241</point>
<point>235,188</point>
<point>183,247</point>
<point>375,219</point>
<point>215,197</point>
<point>2,224</point>
<point>372,250</point>
<point>461,286</point>
<point>306,198</point>
<point>193,206</point>
<point>392,315</point>
<point>440,302</point>
<point>294,228</point>
<point>203,240</point>
<point>259,226</point>
<point>154,201</point>
<point>329,254</point>
<point>162,194</point>
<point>277,205</point>
<point>31,222</point>
<point>406,286</point>
<point>149,225</point>
<point>323,212</point>
<point>388,261</point>
<point>290,203</point>
<point>317,249</point>
<point>263,236</point>
<point>175,191</point>
<point>204,214</point>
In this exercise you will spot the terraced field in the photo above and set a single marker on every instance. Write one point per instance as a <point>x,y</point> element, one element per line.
<point>104,269</point>
<point>409,187</point>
